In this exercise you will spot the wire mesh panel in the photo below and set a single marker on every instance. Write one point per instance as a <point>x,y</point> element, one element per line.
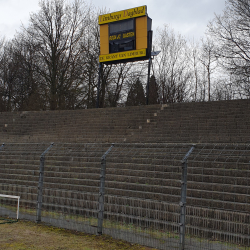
<point>71,185</point>
<point>19,172</point>
<point>142,193</point>
<point>218,197</point>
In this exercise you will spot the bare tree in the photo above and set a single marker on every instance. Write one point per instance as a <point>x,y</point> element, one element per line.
<point>209,61</point>
<point>231,35</point>
<point>8,73</point>
<point>2,105</point>
<point>58,34</point>
<point>195,69</point>
<point>90,79</point>
<point>117,82</point>
<point>172,66</point>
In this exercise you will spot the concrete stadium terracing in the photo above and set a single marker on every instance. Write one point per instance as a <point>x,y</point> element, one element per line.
<point>144,168</point>
<point>206,122</point>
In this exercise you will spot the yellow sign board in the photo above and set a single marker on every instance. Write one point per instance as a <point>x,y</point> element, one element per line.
<point>122,15</point>
<point>122,55</point>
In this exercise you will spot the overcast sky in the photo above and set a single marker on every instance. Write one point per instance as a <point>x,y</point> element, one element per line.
<point>187,17</point>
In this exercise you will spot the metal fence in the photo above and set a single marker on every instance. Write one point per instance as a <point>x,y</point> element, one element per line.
<point>166,196</point>
<point>218,197</point>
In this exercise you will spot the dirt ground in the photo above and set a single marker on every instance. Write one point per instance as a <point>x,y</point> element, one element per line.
<point>25,235</point>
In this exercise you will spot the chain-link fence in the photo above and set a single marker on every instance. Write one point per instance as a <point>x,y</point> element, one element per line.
<point>135,192</point>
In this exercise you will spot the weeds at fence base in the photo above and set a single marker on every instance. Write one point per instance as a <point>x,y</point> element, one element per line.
<point>7,220</point>
<point>50,237</point>
<point>149,232</point>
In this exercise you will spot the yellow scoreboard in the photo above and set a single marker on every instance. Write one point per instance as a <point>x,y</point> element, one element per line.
<point>125,36</point>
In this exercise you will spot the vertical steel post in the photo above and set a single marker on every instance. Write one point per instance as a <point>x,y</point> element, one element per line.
<point>40,189</point>
<point>40,185</point>
<point>183,204</point>
<point>98,86</point>
<point>101,196</point>
<point>101,191</point>
<point>183,199</point>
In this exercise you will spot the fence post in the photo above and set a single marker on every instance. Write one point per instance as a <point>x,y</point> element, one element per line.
<point>183,198</point>
<point>101,191</point>
<point>40,185</point>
